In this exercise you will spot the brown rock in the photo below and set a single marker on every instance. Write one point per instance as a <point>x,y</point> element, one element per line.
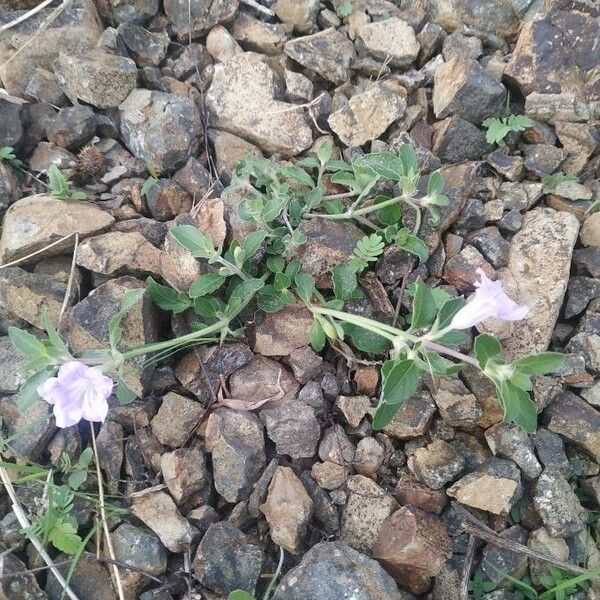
<point>282,332</point>
<point>590,232</point>
<point>412,418</point>
<point>457,405</point>
<point>354,408</point>
<point>329,475</point>
<point>166,200</point>
<point>391,40</point>
<point>176,419</point>
<point>413,546</point>
<point>230,150</point>
<point>209,218</point>
<point>460,270</point>
<point>411,492</point>
<point>436,464</point>
<point>288,510</point>
<point>366,380</point>
<point>185,473</point>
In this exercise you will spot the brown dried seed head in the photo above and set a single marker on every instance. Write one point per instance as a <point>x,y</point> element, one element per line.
<point>90,162</point>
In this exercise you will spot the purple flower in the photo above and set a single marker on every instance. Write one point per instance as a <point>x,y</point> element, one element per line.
<point>489,300</point>
<point>78,392</point>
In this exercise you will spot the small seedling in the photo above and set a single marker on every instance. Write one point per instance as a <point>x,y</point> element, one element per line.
<point>551,182</point>
<point>7,154</point>
<point>498,129</point>
<point>151,180</point>
<point>60,187</point>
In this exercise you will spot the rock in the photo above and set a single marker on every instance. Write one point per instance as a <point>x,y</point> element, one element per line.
<point>261,488</point>
<point>329,243</point>
<point>110,453</point>
<point>9,187</point>
<point>558,506</point>
<point>226,561</point>
<point>367,508</point>
<point>282,332</point>
<point>336,447</point>
<point>579,141</point>
<point>156,510</point>
<point>294,429</point>
<point>461,270</point>
<point>203,517</point>
<point>261,378</point>
<point>305,363</point>
<point>538,265</point>
<point>148,49</point>
<point>354,408</point>
<point>413,546</point>
<point>328,53</point>
<point>166,200</point>
<point>436,464</point>
<point>412,418</point>
<point>463,88</point>
<point>98,78</point>
<point>18,587</point>
<point>241,100</point>
<point>511,222</point>
<point>542,542</point>
<point>86,326</point>
<point>301,15</point>
<point>136,11</point>
<point>72,127</point>
<point>199,16</point>
<point>366,379</point>
<point>176,420</point>
<point>77,29</point>
<point>542,159</point>
<point>520,196</point>
<point>495,487</point>
<point>391,40</point>
<point>329,475</point>
<point>510,441</point>
<point>507,165</point>
<point>587,345</point>
<point>471,217</point>
<point>288,510</point>
<point>550,449</point>
<point>498,562</point>
<point>502,18</point>
<point>27,296</point>
<point>456,140</point>
<point>369,457</point>
<point>457,44</point>
<point>159,128</point>
<point>367,114</point>
<point>574,419</point>
<point>326,570</point>
<point>137,546</point>
<point>12,367</point>
<point>33,223</point>
<point>254,34</point>
<point>410,492</point>
<point>324,510</point>
<point>116,253</point>
<point>11,130</point>
<point>585,259</point>
<point>493,247</point>
<point>590,231</point>
<point>457,405</point>
<point>236,441</point>
<point>185,473</point>
<point>221,45</point>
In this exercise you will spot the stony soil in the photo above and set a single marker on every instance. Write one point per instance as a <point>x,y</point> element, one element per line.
<point>211,494</point>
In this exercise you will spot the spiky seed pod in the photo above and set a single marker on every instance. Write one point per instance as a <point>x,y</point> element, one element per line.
<point>90,162</point>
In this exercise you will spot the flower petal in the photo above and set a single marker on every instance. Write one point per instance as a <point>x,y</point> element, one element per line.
<point>47,390</point>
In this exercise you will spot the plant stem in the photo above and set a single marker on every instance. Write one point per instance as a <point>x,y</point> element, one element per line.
<point>449,352</point>
<point>233,268</point>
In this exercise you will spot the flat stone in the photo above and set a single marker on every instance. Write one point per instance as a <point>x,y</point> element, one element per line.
<point>199,16</point>
<point>558,506</point>
<point>550,449</point>
<point>159,128</point>
<point>328,53</point>
<point>391,40</point>
<point>542,159</point>
<point>413,546</point>
<point>329,475</point>
<point>236,441</point>
<point>12,367</point>
<point>33,223</point>
<point>493,247</point>
<point>241,101</point>
<point>284,331</point>
<point>156,509</point>
<point>226,560</point>
<point>365,512</point>
<point>176,419</point>
<point>436,464</point>
<point>461,87</point>
<point>288,510</point>
<point>495,488</point>
<point>412,418</point>
<point>520,196</point>
<point>456,140</point>
<point>590,231</point>
<point>185,473</point>
<point>294,428</point>
<point>498,562</point>
<point>579,140</point>
<point>510,441</point>
<point>368,114</point>
<point>326,570</point>
<point>98,78</point>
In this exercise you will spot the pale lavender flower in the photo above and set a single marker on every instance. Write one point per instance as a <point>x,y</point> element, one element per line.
<point>78,392</point>
<point>490,300</point>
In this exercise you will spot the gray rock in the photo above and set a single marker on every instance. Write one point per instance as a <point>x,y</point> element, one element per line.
<point>305,363</point>
<point>324,510</point>
<point>226,561</point>
<point>463,88</point>
<point>203,517</point>
<point>176,419</point>
<point>72,127</point>
<point>520,196</point>
<point>284,331</point>
<point>511,222</point>
<point>101,79</point>
<point>507,165</point>
<point>391,40</point>
<point>241,100</point>
<point>328,53</point>
<point>456,140</point>
<point>587,260</point>
<point>11,127</point>
<point>498,562</point>
<point>493,247</point>
<point>185,473</point>
<point>369,457</point>
<point>133,11</point>
<point>260,489</point>
<point>205,14</point>
<point>148,49</point>
<point>543,543</point>
<point>334,570</point>
<point>510,441</point>
<point>413,418</point>
<point>110,453</point>
<point>336,447</point>
<point>12,367</point>
<point>457,44</point>
<point>550,449</point>
<point>10,190</point>
<point>587,344</point>
<point>558,506</point>
<point>160,129</point>
<point>19,587</point>
<point>254,34</point>
<point>293,427</point>
<point>236,441</point>
<point>436,464</point>
<point>542,159</point>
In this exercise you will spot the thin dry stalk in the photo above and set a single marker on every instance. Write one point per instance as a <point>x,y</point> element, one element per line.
<point>25,524</point>
<point>259,7</point>
<point>109,545</point>
<point>70,281</point>
<point>25,16</point>
<point>466,574</point>
<point>40,251</point>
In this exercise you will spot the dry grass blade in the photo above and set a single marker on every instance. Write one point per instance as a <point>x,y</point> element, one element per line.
<point>25,16</point>
<point>259,7</point>
<point>468,564</point>
<point>40,251</point>
<point>70,281</point>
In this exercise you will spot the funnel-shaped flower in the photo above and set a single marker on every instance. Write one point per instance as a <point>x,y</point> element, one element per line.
<point>490,300</point>
<point>78,392</point>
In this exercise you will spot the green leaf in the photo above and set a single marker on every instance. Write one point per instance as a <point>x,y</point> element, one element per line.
<point>411,243</point>
<point>388,215</point>
<point>198,243</point>
<point>384,164</point>
<point>435,185</point>
<point>77,479</point>
<point>167,298</point>
<point>369,248</point>
<point>325,152</point>
<point>281,281</point>
<point>408,157</point>
<point>298,174</point>
<point>148,185</point>
<point>519,408</point>
<point>485,348</point>
<point>400,380</point>
<point>241,296</point>
<point>252,243</point>
<point>54,337</point>
<point>206,307</point>
<point>26,343</point>
<point>316,335</point>
<point>276,264</point>
<point>540,364</point>
<point>27,395</point>
<point>128,301</point>
<point>424,308</point>
<point>205,284</point>
<point>58,182</point>
<point>305,285</point>
<point>447,312</point>
<point>344,281</point>
<point>454,338</point>
<point>64,537</point>
<point>367,341</point>
<point>240,595</point>
<point>125,395</point>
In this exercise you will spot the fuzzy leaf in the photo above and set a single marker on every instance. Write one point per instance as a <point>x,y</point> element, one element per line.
<point>424,307</point>
<point>411,243</point>
<point>240,296</point>
<point>317,336</point>
<point>198,243</point>
<point>485,348</point>
<point>305,285</point>
<point>519,408</point>
<point>540,364</point>
<point>344,281</point>
<point>205,284</point>
<point>27,394</point>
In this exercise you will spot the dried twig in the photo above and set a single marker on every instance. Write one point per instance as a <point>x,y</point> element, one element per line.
<point>25,524</point>
<point>466,574</point>
<point>259,7</point>
<point>40,251</point>
<point>70,281</point>
<point>25,16</point>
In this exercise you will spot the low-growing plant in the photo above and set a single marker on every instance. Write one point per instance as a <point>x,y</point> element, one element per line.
<point>550,182</point>
<point>499,128</point>
<point>60,187</point>
<point>151,180</point>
